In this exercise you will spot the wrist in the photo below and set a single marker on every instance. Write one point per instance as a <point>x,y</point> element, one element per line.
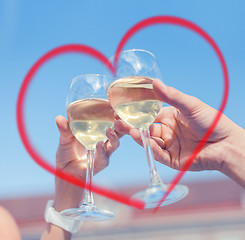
<point>54,232</point>
<point>57,222</point>
<point>234,163</point>
<point>67,195</point>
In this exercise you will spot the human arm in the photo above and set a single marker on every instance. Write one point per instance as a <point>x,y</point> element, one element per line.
<point>71,158</point>
<point>178,129</point>
<point>8,227</point>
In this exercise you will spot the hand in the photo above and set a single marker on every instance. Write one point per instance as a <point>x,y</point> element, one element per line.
<point>71,158</point>
<point>71,155</point>
<point>183,125</point>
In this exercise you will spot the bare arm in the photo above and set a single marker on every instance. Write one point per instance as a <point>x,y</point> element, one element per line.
<point>182,126</point>
<point>71,158</point>
<point>8,227</point>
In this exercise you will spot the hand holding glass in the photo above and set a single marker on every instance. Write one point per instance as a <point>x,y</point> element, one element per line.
<point>132,97</point>
<point>89,115</point>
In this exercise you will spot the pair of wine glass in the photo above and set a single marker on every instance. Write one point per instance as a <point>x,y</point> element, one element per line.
<point>91,103</point>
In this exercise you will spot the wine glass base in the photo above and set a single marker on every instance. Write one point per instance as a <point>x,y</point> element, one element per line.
<point>87,213</point>
<point>153,195</point>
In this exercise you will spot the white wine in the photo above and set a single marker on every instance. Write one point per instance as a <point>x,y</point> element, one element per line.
<point>89,133</point>
<point>140,114</point>
<point>134,100</point>
<point>89,119</point>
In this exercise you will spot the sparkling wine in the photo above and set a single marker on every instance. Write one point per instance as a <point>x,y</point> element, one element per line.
<point>89,119</point>
<point>134,100</point>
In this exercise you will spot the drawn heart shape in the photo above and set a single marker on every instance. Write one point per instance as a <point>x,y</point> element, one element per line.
<point>83,49</point>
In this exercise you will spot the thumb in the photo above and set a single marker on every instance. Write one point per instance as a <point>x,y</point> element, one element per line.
<point>66,135</point>
<point>185,103</point>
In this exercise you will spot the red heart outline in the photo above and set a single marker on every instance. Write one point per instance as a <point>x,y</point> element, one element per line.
<point>78,48</point>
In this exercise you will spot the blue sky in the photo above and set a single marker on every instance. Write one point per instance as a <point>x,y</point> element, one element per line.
<point>29,29</point>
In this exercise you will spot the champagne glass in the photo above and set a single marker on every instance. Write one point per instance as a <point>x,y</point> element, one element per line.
<point>89,116</point>
<point>132,97</point>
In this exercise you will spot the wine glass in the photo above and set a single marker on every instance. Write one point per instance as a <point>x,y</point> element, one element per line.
<point>89,115</point>
<point>131,94</point>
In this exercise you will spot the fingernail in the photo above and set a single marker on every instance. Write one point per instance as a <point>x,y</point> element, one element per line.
<point>111,132</point>
<point>100,144</point>
<point>116,117</point>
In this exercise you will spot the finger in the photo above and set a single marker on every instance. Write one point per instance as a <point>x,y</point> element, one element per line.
<point>161,130</point>
<point>119,135</point>
<point>135,134</point>
<point>185,103</point>
<point>122,127</point>
<point>156,130</point>
<point>161,155</point>
<point>101,159</point>
<point>118,124</point>
<point>116,116</point>
<point>166,114</point>
<point>112,143</point>
<point>159,142</point>
<point>66,135</point>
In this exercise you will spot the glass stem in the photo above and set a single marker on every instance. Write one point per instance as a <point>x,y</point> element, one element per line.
<point>88,198</point>
<point>155,180</point>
